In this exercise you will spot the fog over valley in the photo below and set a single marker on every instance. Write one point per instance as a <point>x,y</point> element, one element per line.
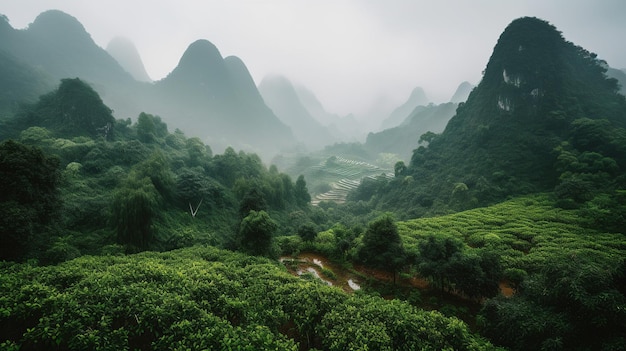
<point>313,175</point>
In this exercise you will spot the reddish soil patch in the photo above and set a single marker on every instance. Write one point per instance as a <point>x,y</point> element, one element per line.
<point>506,290</point>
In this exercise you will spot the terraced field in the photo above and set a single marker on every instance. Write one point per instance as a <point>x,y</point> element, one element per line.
<point>343,175</point>
<point>524,231</point>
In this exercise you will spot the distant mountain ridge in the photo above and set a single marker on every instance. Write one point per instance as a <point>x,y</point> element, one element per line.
<point>205,95</point>
<point>125,53</point>
<point>404,138</point>
<point>218,98</point>
<point>60,45</point>
<point>620,76</point>
<point>397,116</point>
<point>20,83</point>
<point>281,96</point>
<point>462,92</point>
<point>56,46</point>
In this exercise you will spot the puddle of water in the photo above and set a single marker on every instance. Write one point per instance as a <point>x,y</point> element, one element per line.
<point>315,274</point>
<point>314,264</point>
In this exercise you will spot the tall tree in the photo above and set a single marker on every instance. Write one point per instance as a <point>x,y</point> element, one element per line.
<point>146,130</point>
<point>253,200</point>
<point>28,196</point>
<point>382,246</point>
<point>256,232</point>
<point>438,255</point>
<point>301,192</point>
<point>134,209</point>
<point>475,273</point>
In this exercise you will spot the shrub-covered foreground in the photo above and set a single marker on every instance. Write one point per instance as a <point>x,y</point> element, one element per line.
<point>204,298</point>
<point>569,278</point>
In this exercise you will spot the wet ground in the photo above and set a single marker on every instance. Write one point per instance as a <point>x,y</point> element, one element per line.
<point>323,269</point>
<point>350,279</point>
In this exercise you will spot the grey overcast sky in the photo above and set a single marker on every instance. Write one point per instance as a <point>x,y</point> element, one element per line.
<point>348,52</point>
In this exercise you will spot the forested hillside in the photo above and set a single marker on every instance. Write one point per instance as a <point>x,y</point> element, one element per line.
<point>205,95</point>
<point>125,183</point>
<point>545,117</point>
<point>401,140</point>
<point>504,231</point>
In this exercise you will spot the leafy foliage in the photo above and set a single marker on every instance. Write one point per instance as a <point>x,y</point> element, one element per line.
<point>29,196</point>
<point>566,275</point>
<point>544,118</point>
<point>581,309</point>
<point>134,210</point>
<point>204,298</point>
<point>139,185</point>
<point>256,232</point>
<point>365,323</point>
<point>74,109</point>
<point>382,246</point>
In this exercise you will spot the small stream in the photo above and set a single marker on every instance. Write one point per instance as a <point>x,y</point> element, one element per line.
<point>315,274</point>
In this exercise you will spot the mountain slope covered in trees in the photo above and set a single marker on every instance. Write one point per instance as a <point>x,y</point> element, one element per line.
<point>129,184</point>
<point>281,96</point>
<point>215,99</point>
<point>205,95</point>
<point>544,117</point>
<point>405,138</point>
<point>125,53</point>
<point>397,116</point>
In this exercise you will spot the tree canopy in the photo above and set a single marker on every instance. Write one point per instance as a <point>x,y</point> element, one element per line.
<point>382,246</point>
<point>256,232</point>
<point>29,196</point>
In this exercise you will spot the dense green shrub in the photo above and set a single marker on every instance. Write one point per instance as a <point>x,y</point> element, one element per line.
<point>203,298</point>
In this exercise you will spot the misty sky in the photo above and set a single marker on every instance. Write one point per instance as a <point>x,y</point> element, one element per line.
<point>348,52</point>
